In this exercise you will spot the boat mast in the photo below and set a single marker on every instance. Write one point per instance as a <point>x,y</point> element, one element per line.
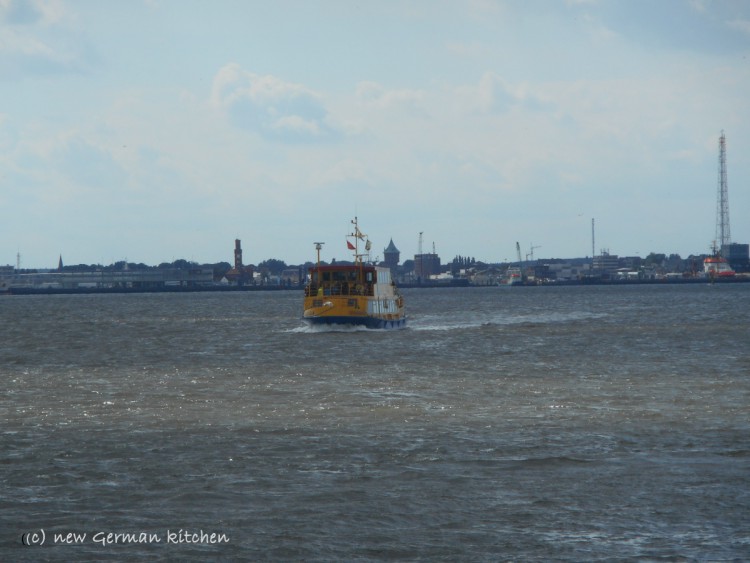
<point>318,247</point>
<point>359,235</point>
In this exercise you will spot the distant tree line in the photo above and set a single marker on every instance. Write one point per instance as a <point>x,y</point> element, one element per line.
<point>462,263</point>
<point>219,268</point>
<point>269,267</point>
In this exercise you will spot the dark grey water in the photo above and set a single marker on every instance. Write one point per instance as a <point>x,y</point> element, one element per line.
<point>580,423</point>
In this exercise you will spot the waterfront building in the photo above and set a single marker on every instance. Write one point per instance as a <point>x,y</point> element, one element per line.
<point>426,265</point>
<point>606,263</point>
<point>738,256</point>
<point>134,279</point>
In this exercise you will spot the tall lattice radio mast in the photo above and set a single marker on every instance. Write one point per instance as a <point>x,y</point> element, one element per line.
<point>723,235</point>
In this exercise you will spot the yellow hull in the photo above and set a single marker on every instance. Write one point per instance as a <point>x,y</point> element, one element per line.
<point>355,308</point>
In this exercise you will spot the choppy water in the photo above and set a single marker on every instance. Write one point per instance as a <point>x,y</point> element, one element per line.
<point>578,423</point>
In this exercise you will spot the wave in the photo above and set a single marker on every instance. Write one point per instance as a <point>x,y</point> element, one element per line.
<point>431,323</point>
<point>322,329</point>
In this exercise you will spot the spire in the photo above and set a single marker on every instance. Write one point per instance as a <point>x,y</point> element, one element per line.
<point>391,247</point>
<point>392,256</point>
<point>60,264</point>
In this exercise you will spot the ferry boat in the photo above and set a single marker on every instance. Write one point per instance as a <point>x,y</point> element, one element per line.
<point>360,294</point>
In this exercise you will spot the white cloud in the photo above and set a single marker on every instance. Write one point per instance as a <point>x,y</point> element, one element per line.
<point>467,49</point>
<point>270,106</point>
<point>35,40</point>
<point>20,12</point>
<point>374,94</point>
<point>493,94</point>
<point>342,172</point>
<point>24,44</point>
<point>599,32</point>
<point>740,25</point>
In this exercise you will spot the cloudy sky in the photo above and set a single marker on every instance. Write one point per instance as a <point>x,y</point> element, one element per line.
<point>152,130</point>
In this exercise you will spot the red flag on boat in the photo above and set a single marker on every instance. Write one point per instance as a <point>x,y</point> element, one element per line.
<point>350,246</point>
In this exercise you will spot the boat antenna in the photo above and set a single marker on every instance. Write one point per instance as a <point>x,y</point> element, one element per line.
<point>358,236</point>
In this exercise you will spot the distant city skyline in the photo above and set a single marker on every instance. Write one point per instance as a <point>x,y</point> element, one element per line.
<point>157,130</point>
<point>445,261</point>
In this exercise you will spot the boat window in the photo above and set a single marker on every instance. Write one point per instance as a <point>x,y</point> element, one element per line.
<point>376,307</point>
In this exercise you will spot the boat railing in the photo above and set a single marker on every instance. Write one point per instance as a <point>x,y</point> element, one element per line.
<point>337,289</point>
